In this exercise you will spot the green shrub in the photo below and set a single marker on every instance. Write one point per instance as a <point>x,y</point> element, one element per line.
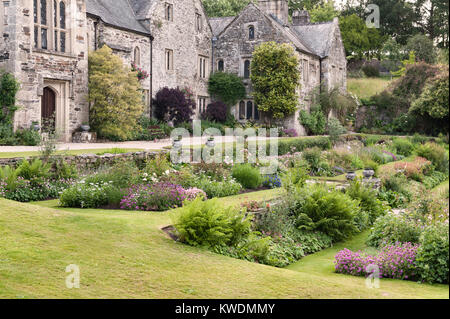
<point>28,137</point>
<point>393,228</point>
<point>403,147</point>
<point>335,129</point>
<point>121,175</point>
<point>368,200</point>
<point>300,144</point>
<point>36,169</point>
<point>210,224</point>
<point>247,175</point>
<point>315,122</point>
<point>434,179</point>
<point>158,165</point>
<point>432,259</point>
<point>435,154</point>
<point>64,171</point>
<point>90,195</point>
<point>371,71</point>
<point>332,213</point>
<point>313,156</point>
<point>213,189</point>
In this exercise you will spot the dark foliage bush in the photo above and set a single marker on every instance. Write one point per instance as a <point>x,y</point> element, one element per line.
<point>371,71</point>
<point>216,112</point>
<point>173,105</point>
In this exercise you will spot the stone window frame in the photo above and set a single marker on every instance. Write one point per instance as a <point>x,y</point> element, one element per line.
<point>168,11</point>
<point>306,76</point>
<point>246,68</point>
<point>251,32</point>
<point>55,25</point>
<point>243,113</point>
<point>137,56</point>
<point>4,5</point>
<point>198,22</point>
<point>220,65</point>
<point>247,27</point>
<point>168,58</point>
<point>202,105</point>
<point>203,66</point>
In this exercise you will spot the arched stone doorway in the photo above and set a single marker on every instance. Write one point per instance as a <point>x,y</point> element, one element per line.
<point>48,110</point>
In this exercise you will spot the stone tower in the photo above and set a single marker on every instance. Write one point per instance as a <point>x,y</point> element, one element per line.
<point>277,8</point>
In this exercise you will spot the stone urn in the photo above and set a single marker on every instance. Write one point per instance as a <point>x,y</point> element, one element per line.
<point>351,176</point>
<point>35,126</point>
<point>177,143</point>
<point>368,173</point>
<point>85,127</point>
<point>211,143</point>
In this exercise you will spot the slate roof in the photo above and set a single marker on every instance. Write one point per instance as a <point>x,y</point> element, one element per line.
<point>219,24</point>
<point>313,38</point>
<point>118,13</point>
<point>317,36</point>
<point>141,7</point>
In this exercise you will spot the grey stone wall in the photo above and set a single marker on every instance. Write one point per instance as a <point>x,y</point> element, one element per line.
<point>65,73</point>
<point>334,67</point>
<point>123,43</point>
<point>89,162</point>
<point>234,47</point>
<point>187,43</point>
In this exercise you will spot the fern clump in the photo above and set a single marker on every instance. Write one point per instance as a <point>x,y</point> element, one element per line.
<point>210,224</point>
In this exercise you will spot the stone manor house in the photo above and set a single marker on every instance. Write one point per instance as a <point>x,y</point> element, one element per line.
<point>45,44</point>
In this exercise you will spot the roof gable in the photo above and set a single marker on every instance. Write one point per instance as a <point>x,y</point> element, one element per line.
<point>317,36</point>
<point>118,13</point>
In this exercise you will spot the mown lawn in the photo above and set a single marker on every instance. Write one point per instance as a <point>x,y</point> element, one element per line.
<point>367,87</point>
<point>126,255</point>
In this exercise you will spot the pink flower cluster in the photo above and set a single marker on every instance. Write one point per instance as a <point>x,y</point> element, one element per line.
<point>194,193</point>
<point>395,261</point>
<point>156,197</point>
<point>141,74</point>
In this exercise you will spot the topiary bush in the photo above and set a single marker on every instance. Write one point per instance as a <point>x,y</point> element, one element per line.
<point>247,175</point>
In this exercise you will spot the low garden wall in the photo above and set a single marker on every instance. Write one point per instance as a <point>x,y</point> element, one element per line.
<point>88,162</point>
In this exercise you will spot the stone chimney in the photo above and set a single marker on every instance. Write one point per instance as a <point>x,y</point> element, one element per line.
<point>277,8</point>
<point>300,17</point>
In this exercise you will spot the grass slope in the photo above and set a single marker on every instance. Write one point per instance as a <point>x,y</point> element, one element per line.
<point>367,87</point>
<point>126,255</point>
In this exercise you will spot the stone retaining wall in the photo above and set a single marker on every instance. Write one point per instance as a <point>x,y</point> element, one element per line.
<point>89,162</point>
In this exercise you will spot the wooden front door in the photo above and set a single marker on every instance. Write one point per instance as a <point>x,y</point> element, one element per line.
<point>48,110</point>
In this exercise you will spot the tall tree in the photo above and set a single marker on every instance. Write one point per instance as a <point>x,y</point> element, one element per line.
<point>433,18</point>
<point>324,11</point>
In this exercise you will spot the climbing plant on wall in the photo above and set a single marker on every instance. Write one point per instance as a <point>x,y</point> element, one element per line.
<point>275,78</point>
<point>8,91</point>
